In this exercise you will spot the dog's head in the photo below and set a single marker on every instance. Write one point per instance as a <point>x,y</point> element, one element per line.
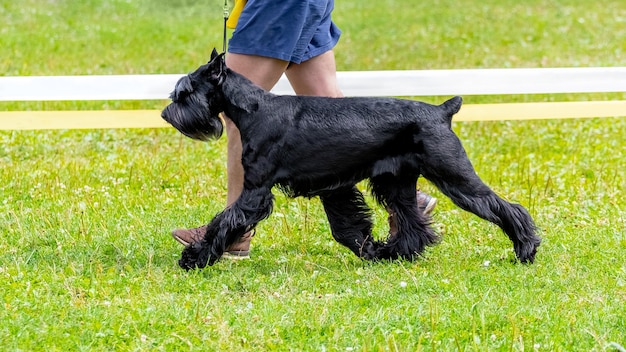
<point>197,101</point>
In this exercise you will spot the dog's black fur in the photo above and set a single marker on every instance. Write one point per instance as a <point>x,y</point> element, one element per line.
<point>317,146</point>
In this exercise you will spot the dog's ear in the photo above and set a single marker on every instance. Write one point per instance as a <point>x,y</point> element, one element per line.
<point>183,88</point>
<point>217,60</point>
<point>217,67</point>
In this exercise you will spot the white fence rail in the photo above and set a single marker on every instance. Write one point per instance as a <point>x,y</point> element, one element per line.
<point>352,83</point>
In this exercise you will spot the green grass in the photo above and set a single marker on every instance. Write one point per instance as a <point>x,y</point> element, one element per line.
<point>87,263</point>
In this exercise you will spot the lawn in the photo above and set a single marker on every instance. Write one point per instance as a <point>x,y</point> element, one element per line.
<point>87,262</point>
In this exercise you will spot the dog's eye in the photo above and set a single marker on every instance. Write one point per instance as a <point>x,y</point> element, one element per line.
<point>178,95</point>
<point>183,89</point>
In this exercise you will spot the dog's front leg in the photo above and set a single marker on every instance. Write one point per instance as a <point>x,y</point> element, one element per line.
<point>252,206</point>
<point>201,253</point>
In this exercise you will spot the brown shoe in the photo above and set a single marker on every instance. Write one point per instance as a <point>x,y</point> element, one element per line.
<point>425,203</point>
<point>239,250</point>
<point>189,236</point>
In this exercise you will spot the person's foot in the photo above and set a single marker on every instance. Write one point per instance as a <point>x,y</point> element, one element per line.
<point>239,250</point>
<point>189,236</point>
<point>425,203</point>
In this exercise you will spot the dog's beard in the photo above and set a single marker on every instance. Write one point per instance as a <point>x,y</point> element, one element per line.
<point>194,119</point>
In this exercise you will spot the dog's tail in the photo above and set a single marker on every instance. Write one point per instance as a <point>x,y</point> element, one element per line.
<point>451,107</point>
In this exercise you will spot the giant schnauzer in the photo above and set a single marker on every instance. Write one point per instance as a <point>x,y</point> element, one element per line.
<point>319,146</point>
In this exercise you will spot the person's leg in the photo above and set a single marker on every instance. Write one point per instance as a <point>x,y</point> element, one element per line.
<point>317,76</point>
<point>264,72</point>
<point>263,57</point>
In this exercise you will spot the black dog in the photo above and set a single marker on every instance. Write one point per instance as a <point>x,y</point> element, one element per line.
<point>316,146</point>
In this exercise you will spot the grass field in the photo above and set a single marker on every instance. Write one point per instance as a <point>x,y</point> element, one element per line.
<point>87,262</point>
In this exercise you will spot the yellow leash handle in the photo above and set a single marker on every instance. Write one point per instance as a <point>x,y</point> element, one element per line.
<point>234,15</point>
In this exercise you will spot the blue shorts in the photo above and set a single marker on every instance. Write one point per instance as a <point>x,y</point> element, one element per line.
<point>288,30</point>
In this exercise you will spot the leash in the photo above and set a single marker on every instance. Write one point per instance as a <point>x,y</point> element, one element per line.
<point>231,19</point>
<point>226,14</point>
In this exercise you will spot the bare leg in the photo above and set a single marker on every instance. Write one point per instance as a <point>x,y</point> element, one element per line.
<point>264,72</point>
<point>316,76</point>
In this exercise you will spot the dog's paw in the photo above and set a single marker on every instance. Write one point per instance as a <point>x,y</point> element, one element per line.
<point>186,264</point>
<point>526,252</point>
<point>370,250</point>
<point>195,256</point>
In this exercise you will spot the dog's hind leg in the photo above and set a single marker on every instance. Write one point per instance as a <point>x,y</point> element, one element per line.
<point>452,172</point>
<point>252,206</point>
<point>350,220</point>
<point>398,194</point>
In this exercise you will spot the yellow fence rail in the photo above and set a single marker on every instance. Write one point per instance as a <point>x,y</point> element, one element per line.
<point>352,83</point>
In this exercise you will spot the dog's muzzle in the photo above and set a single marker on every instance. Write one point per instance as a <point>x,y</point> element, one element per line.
<point>192,122</point>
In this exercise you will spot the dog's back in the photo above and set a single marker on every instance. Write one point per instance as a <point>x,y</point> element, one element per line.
<point>337,140</point>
